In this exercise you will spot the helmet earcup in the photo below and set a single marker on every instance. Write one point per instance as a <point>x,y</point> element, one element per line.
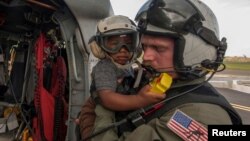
<point>96,50</point>
<point>138,51</point>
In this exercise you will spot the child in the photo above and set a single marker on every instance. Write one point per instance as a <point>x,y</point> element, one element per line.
<point>116,45</point>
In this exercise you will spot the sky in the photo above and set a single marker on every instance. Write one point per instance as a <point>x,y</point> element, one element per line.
<point>232,15</point>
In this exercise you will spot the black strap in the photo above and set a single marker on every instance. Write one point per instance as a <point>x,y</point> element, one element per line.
<point>204,94</point>
<point>206,34</point>
<point>201,94</point>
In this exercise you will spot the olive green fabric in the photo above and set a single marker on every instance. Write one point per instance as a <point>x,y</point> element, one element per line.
<point>104,118</point>
<point>156,129</point>
<point>203,113</point>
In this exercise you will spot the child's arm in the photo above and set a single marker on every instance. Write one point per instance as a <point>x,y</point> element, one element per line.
<point>119,102</point>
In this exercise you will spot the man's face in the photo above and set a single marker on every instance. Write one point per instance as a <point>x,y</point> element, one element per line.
<point>158,53</point>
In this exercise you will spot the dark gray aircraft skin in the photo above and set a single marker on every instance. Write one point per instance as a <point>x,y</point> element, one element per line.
<point>67,25</point>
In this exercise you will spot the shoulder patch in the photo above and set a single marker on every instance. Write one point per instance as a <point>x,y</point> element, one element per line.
<point>187,128</point>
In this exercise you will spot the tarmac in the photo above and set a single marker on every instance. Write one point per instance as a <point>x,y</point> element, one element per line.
<point>232,79</point>
<point>238,85</point>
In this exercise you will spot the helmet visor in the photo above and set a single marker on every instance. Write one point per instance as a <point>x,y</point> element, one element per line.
<point>113,43</point>
<point>175,15</point>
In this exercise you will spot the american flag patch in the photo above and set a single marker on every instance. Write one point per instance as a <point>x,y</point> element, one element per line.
<point>187,128</point>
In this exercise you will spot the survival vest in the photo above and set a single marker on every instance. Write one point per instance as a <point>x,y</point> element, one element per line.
<point>204,94</point>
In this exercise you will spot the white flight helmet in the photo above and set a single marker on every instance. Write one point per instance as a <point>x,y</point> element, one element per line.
<point>112,26</point>
<point>194,26</point>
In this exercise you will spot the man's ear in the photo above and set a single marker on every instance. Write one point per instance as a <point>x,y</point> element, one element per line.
<point>96,50</point>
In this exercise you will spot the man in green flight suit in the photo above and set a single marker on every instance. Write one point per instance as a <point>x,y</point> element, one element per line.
<point>181,38</point>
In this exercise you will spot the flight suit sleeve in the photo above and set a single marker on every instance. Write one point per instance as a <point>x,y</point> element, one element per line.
<point>203,113</point>
<point>157,130</point>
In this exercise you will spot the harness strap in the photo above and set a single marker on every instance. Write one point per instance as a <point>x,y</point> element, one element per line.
<point>139,75</point>
<point>205,94</point>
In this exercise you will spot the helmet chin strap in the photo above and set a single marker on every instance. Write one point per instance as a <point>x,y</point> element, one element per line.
<point>166,71</point>
<point>163,70</point>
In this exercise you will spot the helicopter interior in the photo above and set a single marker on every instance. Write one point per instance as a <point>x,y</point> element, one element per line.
<point>44,64</point>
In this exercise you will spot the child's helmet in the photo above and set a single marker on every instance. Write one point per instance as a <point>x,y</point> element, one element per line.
<point>112,26</point>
